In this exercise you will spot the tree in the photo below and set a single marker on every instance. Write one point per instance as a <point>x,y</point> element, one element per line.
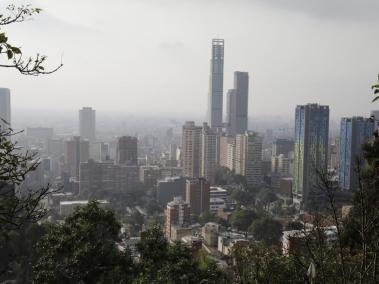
<point>83,250</point>
<point>259,264</point>
<point>17,208</point>
<point>267,230</point>
<point>11,54</point>
<point>176,263</point>
<point>19,253</point>
<point>242,219</point>
<point>266,196</point>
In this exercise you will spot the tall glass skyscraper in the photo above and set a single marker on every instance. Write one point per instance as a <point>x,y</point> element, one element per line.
<point>311,151</point>
<point>354,132</point>
<point>237,104</point>
<point>215,98</point>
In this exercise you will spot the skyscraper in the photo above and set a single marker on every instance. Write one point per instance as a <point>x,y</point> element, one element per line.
<point>311,151</point>
<point>354,132</point>
<point>191,149</point>
<point>87,123</point>
<point>237,104</point>
<point>210,142</point>
<point>5,108</point>
<point>215,98</point>
<point>248,157</point>
<point>76,152</point>
<point>127,151</point>
<point>198,195</point>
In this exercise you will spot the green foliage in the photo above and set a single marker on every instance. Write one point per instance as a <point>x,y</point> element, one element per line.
<point>242,197</point>
<point>83,250</point>
<point>16,210</point>
<point>19,253</point>
<point>266,196</point>
<point>164,263</point>
<point>242,219</point>
<point>258,264</point>
<point>267,230</point>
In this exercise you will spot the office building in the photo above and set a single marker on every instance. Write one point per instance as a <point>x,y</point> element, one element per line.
<point>198,195</point>
<point>215,97</point>
<point>248,157</point>
<point>170,187</point>
<point>126,153</point>
<point>76,152</point>
<point>5,108</point>
<point>282,146</point>
<point>227,151</point>
<point>177,215</point>
<point>191,149</point>
<point>210,142</point>
<point>311,152</point>
<point>99,178</point>
<point>87,124</point>
<point>355,131</point>
<point>237,104</point>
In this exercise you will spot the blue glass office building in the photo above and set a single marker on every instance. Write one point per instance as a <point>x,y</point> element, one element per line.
<point>311,151</point>
<point>355,131</point>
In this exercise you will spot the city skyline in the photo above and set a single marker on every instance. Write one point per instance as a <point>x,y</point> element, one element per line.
<point>296,62</point>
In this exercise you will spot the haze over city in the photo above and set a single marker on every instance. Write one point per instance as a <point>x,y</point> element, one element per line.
<point>152,57</point>
<point>197,141</point>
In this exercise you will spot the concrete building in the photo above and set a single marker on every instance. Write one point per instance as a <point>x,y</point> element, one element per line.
<point>198,195</point>
<point>126,152</point>
<point>210,142</point>
<point>248,157</point>
<point>311,152</point>
<point>227,151</point>
<point>191,149</point>
<point>209,232</point>
<point>282,146</point>
<point>355,131</point>
<point>177,215</point>
<point>99,178</point>
<point>99,151</point>
<point>215,97</point>
<point>169,188</point>
<point>149,175</point>
<point>229,240</point>
<point>237,104</point>
<point>76,151</point>
<point>87,124</point>
<point>5,108</point>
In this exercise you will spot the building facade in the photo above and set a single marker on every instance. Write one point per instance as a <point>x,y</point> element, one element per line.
<point>354,132</point>
<point>248,157</point>
<point>87,123</point>
<point>126,152</point>
<point>215,97</point>
<point>237,104</point>
<point>210,142</point>
<point>311,152</point>
<point>177,215</point>
<point>191,149</point>
<point>198,195</point>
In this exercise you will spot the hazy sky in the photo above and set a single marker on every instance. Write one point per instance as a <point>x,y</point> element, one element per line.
<point>152,56</point>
